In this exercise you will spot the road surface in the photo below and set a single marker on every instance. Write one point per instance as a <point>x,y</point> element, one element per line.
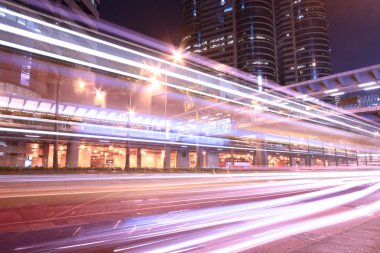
<point>178,212</point>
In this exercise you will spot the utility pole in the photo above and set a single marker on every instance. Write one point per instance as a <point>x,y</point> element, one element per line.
<point>55,152</point>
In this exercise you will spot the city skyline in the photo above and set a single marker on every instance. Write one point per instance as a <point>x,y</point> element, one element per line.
<point>343,19</point>
<point>113,141</point>
<point>282,40</point>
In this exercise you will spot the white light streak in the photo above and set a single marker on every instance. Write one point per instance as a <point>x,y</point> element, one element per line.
<point>373,88</point>
<point>367,84</point>
<point>331,91</point>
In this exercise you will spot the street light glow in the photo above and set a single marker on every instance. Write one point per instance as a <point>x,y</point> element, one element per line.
<point>154,84</point>
<point>177,56</point>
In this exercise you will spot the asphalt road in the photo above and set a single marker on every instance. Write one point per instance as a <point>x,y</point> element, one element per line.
<point>178,212</point>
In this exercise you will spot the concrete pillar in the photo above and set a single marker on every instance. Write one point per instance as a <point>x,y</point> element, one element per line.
<point>312,161</point>
<point>183,159</point>
<point>200,158</point>
<point>323,156</point>
<point>307,160</point>
<point>127,164</point>
<point>167,158</point>
<point>72,160</point>
<point>19,159</point>
<point>212,159</point>
<point>45,155</point>
<point>261,154</point>
<point>291,160</point>
<point>138,157</point>
<point>357,159</point>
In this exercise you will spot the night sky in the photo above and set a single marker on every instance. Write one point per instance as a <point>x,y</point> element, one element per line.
<point>354,26</point>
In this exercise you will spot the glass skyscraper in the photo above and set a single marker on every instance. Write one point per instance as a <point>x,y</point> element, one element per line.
<point>281,40</point>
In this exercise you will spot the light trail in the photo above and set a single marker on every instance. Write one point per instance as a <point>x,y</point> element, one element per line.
<point>55,42</point>
<point>164,61</point>
<point>168,73</point>
<point>117,72</point>
<point>172,213</point>
<point>166,213</point>
<point>86,128</point>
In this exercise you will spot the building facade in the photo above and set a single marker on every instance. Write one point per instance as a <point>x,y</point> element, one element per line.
<point>302,40</point>
<point>69,99</point>
<point>82,12</point>
<point>280,40</point>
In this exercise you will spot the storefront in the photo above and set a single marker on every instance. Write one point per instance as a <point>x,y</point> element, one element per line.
<point>278,160</point>
<point>236,160</point>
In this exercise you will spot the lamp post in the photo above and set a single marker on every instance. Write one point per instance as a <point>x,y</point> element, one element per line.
<point>167,130</point>
<point>55,151</point>
<point>198,152</point>
<point>130,111</point>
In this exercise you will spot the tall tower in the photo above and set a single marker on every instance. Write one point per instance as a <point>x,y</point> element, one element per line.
<point>82,12</point>
<point>302,40</point>
<point>256,43</point>
<point>236,33</point>
<point>285,41</point>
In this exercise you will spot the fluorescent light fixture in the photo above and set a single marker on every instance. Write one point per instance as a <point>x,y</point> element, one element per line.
<point>32,136</point>
<point>367,84</point>
<point>373,87</point>
<point>60,109</point>
<point>16,103</point>
<point>31,105</point>
<point>91,113</point>
<point>302,96</point>
<point>69,110</point>
<point>138,120</point>
<point>154,122</point>
<point>122,117</point>
<point>44,107</point>
<point>331,91</point>
<point>112,116</point>
<point>4,101</point>
<point>308,99</point>
<point>251,136</point>
<point>81,112</point>
<point>338,94</point>
<point>146,121</point>
<point>102,115</point>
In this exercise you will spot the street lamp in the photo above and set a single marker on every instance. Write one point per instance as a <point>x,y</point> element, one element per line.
<point>57,97</point>
<point>130,115</point>
<point>155,85</point>
<point>177,56</point>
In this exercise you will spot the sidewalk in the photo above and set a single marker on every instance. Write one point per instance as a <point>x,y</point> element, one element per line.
<point>364,238</point>
<point>358,236</point>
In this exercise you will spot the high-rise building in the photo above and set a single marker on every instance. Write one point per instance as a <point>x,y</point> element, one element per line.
<point>302,40</point>
<point>82,12</point>
<point>281,40</point>
<point>23,71</point>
